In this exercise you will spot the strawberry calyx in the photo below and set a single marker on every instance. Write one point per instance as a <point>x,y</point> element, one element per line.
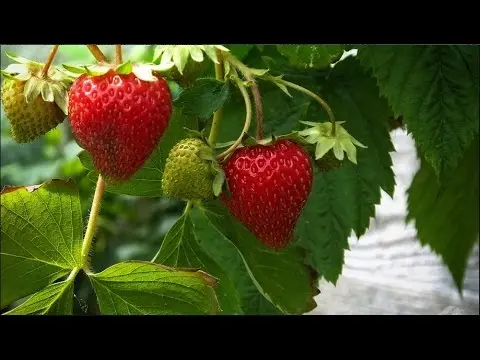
<point>208,154</point>
<point>143,71</point>
<point>53,86</point>
<point>340,142</point>
<point>178,55</point>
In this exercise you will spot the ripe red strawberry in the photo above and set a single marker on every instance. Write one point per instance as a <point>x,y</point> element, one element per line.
<point>119,119</point>
<point>269,186</point>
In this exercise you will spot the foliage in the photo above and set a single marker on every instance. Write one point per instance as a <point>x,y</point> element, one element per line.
<point>196,257</point>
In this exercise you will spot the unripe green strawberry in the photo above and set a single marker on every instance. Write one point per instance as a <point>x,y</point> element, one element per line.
<point>34,100</point>
<point>187,176</point>
<point>28,120</point>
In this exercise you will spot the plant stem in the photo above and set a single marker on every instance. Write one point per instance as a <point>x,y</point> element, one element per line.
<point>92,221</point>
<point>248,118</point>
<point>258,106</point>
<point>217,116</point>
<point>50,58</point>
<point>118,54</point>
<point>322,102</point>
<point>97,53</point>
<point>73,273</point>
<point>245,70</point>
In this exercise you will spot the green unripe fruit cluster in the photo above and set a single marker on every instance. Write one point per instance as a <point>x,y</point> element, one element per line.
<point>187,176</point>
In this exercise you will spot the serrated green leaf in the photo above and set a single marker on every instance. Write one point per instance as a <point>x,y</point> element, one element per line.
<point>55,299</point>
<point>229,259</point>
<point>41,239</point>
<point>143,288</point>
<point>311,56</point>
<point>436,89</point>
<point>181,249</point>
<point>148,180</point>
<point>345,199</point>
<point>282,277</point>
<point>325,223</point>
<point>204,98</point>
<point>125,68</point>
<point>446,216</point>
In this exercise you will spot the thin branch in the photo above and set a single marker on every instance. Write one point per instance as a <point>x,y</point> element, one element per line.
<point>50,58</point>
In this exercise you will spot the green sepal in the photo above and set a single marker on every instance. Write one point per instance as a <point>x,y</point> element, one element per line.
<point>194,133</point>
<point>178,55</point>
<point>19,72</point>
<point>276,80</point>
<point>206,154</point>
<point>340,143</point>
<point>219,180</point>
<point>21,60</point>
<point>224,144</point>
<point>51,91</point>
<point>125,68</point>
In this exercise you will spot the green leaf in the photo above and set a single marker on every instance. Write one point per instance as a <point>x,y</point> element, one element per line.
<point>311,56</point>
<point>181,249</point>
<point>227,256</point>
<point>436,89</point>
<point>281,277</point>
<point>41,237</point>
<point>345,199</point>
<point>175,89</point>
<point>240,51</point>
<point>143,288</point>
<point>204,98</point>
<point>148,180</point>
<point>55,299</point>
<point>446,217</point>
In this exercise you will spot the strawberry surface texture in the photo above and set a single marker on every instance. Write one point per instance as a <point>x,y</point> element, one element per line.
<point>269,186</point>
<point>119,120</point>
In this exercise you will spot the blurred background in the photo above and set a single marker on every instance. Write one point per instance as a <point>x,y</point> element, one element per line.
<point>386,272</point>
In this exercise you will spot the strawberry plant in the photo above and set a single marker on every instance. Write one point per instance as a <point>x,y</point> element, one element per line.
<point>278,154</point>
